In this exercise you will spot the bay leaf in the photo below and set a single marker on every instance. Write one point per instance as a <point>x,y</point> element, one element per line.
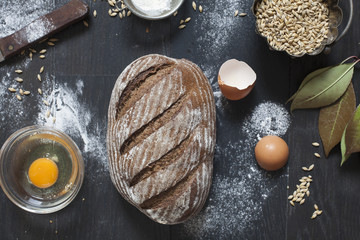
<point>344,157</point>
<point>352,135</point>
<point>308,77</point>
<point>325,88</point>
<point>334,118</point>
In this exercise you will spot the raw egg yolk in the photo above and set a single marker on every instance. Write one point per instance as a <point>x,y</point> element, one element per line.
<point>271,153</point>
<point>43,173</point>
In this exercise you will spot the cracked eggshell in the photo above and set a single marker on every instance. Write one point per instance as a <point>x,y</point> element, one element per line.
<point>236,79</point>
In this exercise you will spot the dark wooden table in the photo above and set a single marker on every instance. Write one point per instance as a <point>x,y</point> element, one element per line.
<point>99,53</point>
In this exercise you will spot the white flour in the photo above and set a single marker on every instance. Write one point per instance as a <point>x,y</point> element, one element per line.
<point>153,7</point>
<point>217,27</point>
<point>75,118</point>
<point>237,195</point>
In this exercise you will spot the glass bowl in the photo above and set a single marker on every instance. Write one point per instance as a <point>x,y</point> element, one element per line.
<point>25,146</point>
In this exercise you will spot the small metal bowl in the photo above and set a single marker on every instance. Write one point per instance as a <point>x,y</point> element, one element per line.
<point>333,36</point>
<point>174,5</point>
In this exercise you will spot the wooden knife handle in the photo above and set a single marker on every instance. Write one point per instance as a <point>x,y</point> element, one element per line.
<point>43,27</point>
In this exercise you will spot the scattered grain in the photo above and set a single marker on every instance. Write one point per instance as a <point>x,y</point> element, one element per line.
<point>43,51</point>
<point>128,13</point>
<point>311,167</point>
<point>26,92</point>
<point>42,69</point>
<point>315,144</point>
<point>42,56</point>
<point>175,13</point>
<point>302,201</point>
<point>182,26</point>
<point>50,43</point>
<point>12,90</point>
<point>39,77</point>
<point>236,13</point>
<point>86,24</point>
<point>194,5</point>
<point>18,97</point>
<point>187,19</point>
<point>94,13</point>
<point>18,71</point>
<point>46,103</point>
<point>47,114</point>
<point>20,80</point>
<point>242,14</point>
<point>53,39</point>
<point>316,207</point>
<point>21,92</point>
<point>317,155</point>
<point>292,203</point>
<point>200,9</point>
<point>39,91</point>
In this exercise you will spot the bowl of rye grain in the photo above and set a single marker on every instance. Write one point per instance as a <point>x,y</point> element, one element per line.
<point>300,27</point>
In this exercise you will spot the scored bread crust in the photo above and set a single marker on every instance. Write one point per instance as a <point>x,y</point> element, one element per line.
<point>161,137</point>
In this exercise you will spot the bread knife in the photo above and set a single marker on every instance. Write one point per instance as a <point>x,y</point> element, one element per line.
<point>42,27</point>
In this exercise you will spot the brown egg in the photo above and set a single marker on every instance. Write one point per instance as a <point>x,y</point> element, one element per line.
<point>236,79</point>
<point>271,153</point>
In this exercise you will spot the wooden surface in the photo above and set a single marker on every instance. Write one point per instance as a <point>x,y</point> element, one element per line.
<point>99,53</point>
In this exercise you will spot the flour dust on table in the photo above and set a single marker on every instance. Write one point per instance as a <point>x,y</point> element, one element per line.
<point>15,14</point>
<point>237,196</point>
<point>68,113</point>
<point>218,28</point>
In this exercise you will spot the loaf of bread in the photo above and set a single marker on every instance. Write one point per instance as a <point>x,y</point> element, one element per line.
<point>161,137</point>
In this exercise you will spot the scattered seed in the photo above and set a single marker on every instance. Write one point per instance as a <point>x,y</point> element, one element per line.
<point>302,202</point>
<point>47,114</point>
<point>128,13</point>
<point>11,47</point>
<point>317,155</point>
<point>39,91</point>
<point>85,23</point>
<point>50,43</point>
<point>111,13</point>
<point>42,69</point>
<point>200,9</point>
<point>39,77</point>
<point>292,203</point>
<point>51,221</point>
<point>298,200</point>
<point>313,216</point>
<point>120,15</point>
<point>316,207</point>
<point>54,119</point>
<point>18,97</point>
<point>30,55</point>
<point>181,21</point>
<point>26,92</point>
<point>305,168</point>
<point>308,193</point>
<point>44,40</point>
<point>20,80</point>
<point>53,39</point>
<point>12,90</point>
<point>46,103</point>
<point>124,13</point>
<point>242,14</point>
<point>290,197</point>
<point>18,71</point>
<point>95,13</point>
<point>111,3</point>
<point>318,212</point>
<point>42,56</point>
<point>175,13</point>
<point>182,26</point>
<point>187,19</point>
<point>311,167</point>
<point>236,13</point>
<point>194,5</point>
<point>43,51</point>
<point>32,50</point>
<point>315,144</point>
<point>21,92</point>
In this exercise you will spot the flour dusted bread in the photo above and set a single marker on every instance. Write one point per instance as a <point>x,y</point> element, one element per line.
<point>161,137</point>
